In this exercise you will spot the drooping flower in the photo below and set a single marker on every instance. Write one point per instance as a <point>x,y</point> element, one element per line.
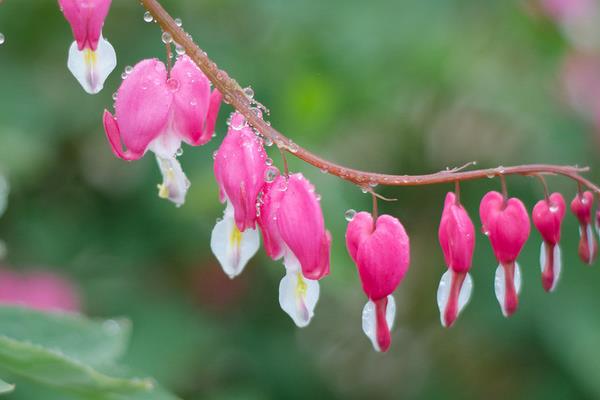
<point>381,251</point>
<point>292,227</point>
<point>582,206</point>
<point>156,111</point>
<point>240,165</point>
<point>38,290</point>
<point>548,215</point>
<point>457,239</point>
<point>91,57</point>
<point>506,223</point>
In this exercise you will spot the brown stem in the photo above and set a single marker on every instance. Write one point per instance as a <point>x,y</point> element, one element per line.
<point>169,55</point>
<point>375,211</point>
<point>234,95</point>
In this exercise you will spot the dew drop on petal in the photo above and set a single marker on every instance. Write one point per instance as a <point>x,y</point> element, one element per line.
<point>271,174</point>
<point>178,22</point>
<point>114,96</point>
<point>349,214</point>
<point>148,17</point>
<point>179,152</point>
<point>128,69</point>
<point>268,142</point>
<point>269,161</point>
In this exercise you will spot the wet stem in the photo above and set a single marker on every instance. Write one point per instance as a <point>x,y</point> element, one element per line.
<point>234,95</point>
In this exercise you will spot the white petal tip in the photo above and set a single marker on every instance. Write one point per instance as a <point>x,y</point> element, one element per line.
<point>500,288</point>
<point>91,68</point>
<point>453,296</point>
<point>369,320</point>
<point>298,297</point>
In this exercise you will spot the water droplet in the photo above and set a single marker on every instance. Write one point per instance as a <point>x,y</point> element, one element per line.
<point>166,38</point>
<point>114,96</point>
<point>318,197</point>
<point>179,152</point>
<point>271,174</point>
<point>193,102</point>
<point>269,161</point>
<point>124,75</point>
<point>249,92</point>
<point>349,215</point>
<point>268,141</point>
<point>178,22</point>
<point>173,84</point>
<point>553,208</point>
<point>324,170</point>
<point>2,38</point>
<point>293,147</point>
<point>215,154</point>
<point>501,169</point>
<point>373,184</point>
<point>148,17</point>
<point>364,189</point>
<point>128,69</point>
<point>179,49</point>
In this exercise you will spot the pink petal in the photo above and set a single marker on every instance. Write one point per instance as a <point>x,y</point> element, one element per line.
<point>114,138</point>
<point>383,258</point>
<point>86,18</point>
<point>191,99</point>
<point>547,217</point>
<point>143,105</point>
<point>456,235</point>
<point>358,231</point>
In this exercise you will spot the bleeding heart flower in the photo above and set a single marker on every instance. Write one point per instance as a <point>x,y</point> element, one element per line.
<point>156,111</point>
<point>240,172</point>
<point>582,206</point>
<point>548,215</point>
<point>292,227</point>
<point>506,223</point>
<point>457,239</point>
<point>91,57</point>
<point>381,251</point>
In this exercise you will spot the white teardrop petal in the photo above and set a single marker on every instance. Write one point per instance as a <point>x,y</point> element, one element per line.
<point>91,68</point>
<point>369,319</point>
<point>298,297</point>
<point>175,184</point>
<point>465,292</point>
<point>232,248</point>
<point>590,242</point>
<point>557,266</point>
<point>499,284</point>
<point>443,294</point>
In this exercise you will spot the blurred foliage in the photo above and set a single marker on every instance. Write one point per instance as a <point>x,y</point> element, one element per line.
<point>408,86</point>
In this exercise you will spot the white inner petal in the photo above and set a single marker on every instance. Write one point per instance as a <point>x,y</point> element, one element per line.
<point>298,296</point>
<point>443,293</point>
<point>369,319</point>
<point>590,241</point>
<point>91,68</point>
<point>231,247</point>
<point>175,184</point>
<point>500,288</point>
<point>557,267</point>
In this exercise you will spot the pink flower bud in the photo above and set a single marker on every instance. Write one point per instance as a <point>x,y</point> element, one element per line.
<point>381,251</point>
<point>239,169</point>
<point>506,223</point>
<point>157,112</point>
<point>292,227</point>
<point>457,239</point>
<point>548,215</point>
<point>581,207</point>
<point>91,57</point>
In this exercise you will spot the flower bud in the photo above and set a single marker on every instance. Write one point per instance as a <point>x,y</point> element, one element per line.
<point>506,223</point>
<point>581,207</point>
<point>381,251</point>
<point>457,239</point>
<point>548,215</point>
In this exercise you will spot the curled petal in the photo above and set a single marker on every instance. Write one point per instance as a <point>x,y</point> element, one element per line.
<point>111,127</point>
<point>588,247</point>
<point>232,247</point>
<point>211,118</point>
<point>175,184</point>
<point>378,320</point>
<point>551,265</point>
<point>92,67</point>
<point>507,285</point>
<point>453,295</point>
<point>297,295</point>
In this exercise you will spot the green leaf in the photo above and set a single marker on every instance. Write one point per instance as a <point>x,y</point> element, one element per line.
<point>95,342</point>
<point>6,387</point>
<point>64,351</point>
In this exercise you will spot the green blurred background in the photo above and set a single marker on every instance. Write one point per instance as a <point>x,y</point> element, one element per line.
<point>398,86</point>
